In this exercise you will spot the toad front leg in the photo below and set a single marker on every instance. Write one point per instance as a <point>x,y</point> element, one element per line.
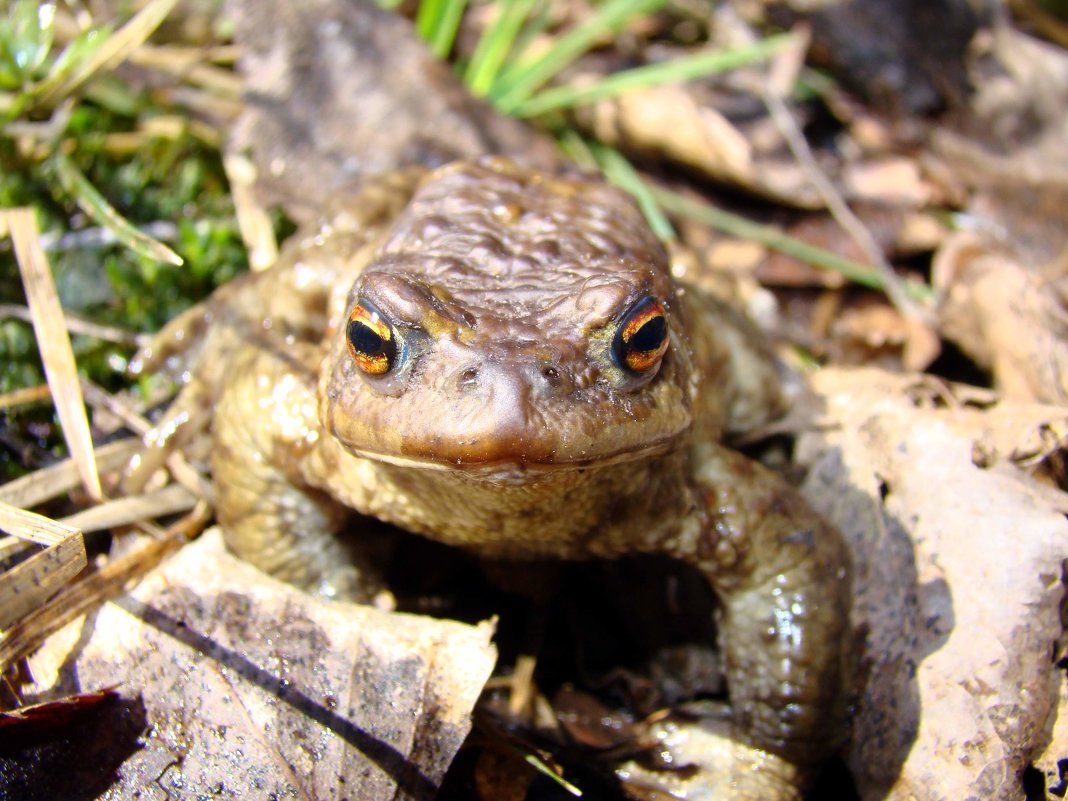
<point>265,428</point>
<point>783,579</point>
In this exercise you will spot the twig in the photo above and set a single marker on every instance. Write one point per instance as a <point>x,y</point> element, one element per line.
<point>836,205</point>
<point>25,396</point>
<point>183,472</point>
<point>81,326</point>
<point>1043,22</point>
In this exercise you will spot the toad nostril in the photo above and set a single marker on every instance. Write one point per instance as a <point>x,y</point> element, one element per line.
<point>551,375</point>
<point>469,378</point>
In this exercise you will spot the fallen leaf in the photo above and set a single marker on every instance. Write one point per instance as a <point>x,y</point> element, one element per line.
<point>1004,278</point>
<point>73,749</point>
<point>672,122</point>
<point>959,583</point>
<point>255,689</point>
<point>892,180</point>
<point>1053,761</point>
<point>900,55</point>
<point>1004,315</point>
<point>52,715</point>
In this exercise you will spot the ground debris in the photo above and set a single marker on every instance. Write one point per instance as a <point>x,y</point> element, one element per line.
<point>1003,276</point>
<point>251,687</point>
<point>959,585</point>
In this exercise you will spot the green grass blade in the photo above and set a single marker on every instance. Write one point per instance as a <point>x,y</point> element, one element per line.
<point>539,764</point>
<point>618,170</point>
<point>521,80</point>
<point>78,50</point>
<point>426,18</point>
<point>495,44</point>
<point>578,150</point>
<point>593,157</point>
<point>103,213</point>
<point>621,172</point>
<point>445,34</point>
<point>673,71</point>
<point>25,41</point>
<point>437,22</point>
<point>776,240</point>
<point>536,26</point>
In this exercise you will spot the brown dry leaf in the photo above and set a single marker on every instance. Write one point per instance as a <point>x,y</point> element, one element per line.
<point>1004,284</point>
<point>58,750</point>
<point>1006,316</point>
<point>899,55</point>
<point>50,715</point>
<point>896,232</point>
<point>892,180</point>
<point>1024,434</point>
<point>258,690</point>
<point>864,332</point>
<point>1018,125</point>
<point>869,331</point>
<point>958,585</point>
<point>670,121</point>
<point>1053,761</point>
<point>502,776</point>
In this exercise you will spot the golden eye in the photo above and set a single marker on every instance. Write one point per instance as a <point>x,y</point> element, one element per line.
<point>371,341</point>
<point>642,337</point>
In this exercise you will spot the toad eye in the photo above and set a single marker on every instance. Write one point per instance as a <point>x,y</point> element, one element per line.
<point>371,340</point>
<point>642,337</point>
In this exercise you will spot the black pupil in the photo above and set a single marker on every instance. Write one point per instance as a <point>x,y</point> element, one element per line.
<point>650,336</point>
<point>364,339</point>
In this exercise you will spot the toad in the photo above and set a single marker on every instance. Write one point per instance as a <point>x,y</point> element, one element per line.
<point>499,359</point>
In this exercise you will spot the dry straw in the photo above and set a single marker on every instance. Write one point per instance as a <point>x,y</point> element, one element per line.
<point>53,342</point>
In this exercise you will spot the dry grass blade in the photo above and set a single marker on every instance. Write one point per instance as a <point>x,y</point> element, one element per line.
<point>192,65</point>
<point>257,231</point>
<point>183,472</point>
<point>781,81</point>
<point>53,481</point>
<point>1041,19</point>
<point>33,581</point>
<point>22,638</point>
<point>169,500</point>
<point>53,343</point>
<point>114,51</point>
<point>11,546</point>
<point>79,325</point>
<point>25,396</point>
